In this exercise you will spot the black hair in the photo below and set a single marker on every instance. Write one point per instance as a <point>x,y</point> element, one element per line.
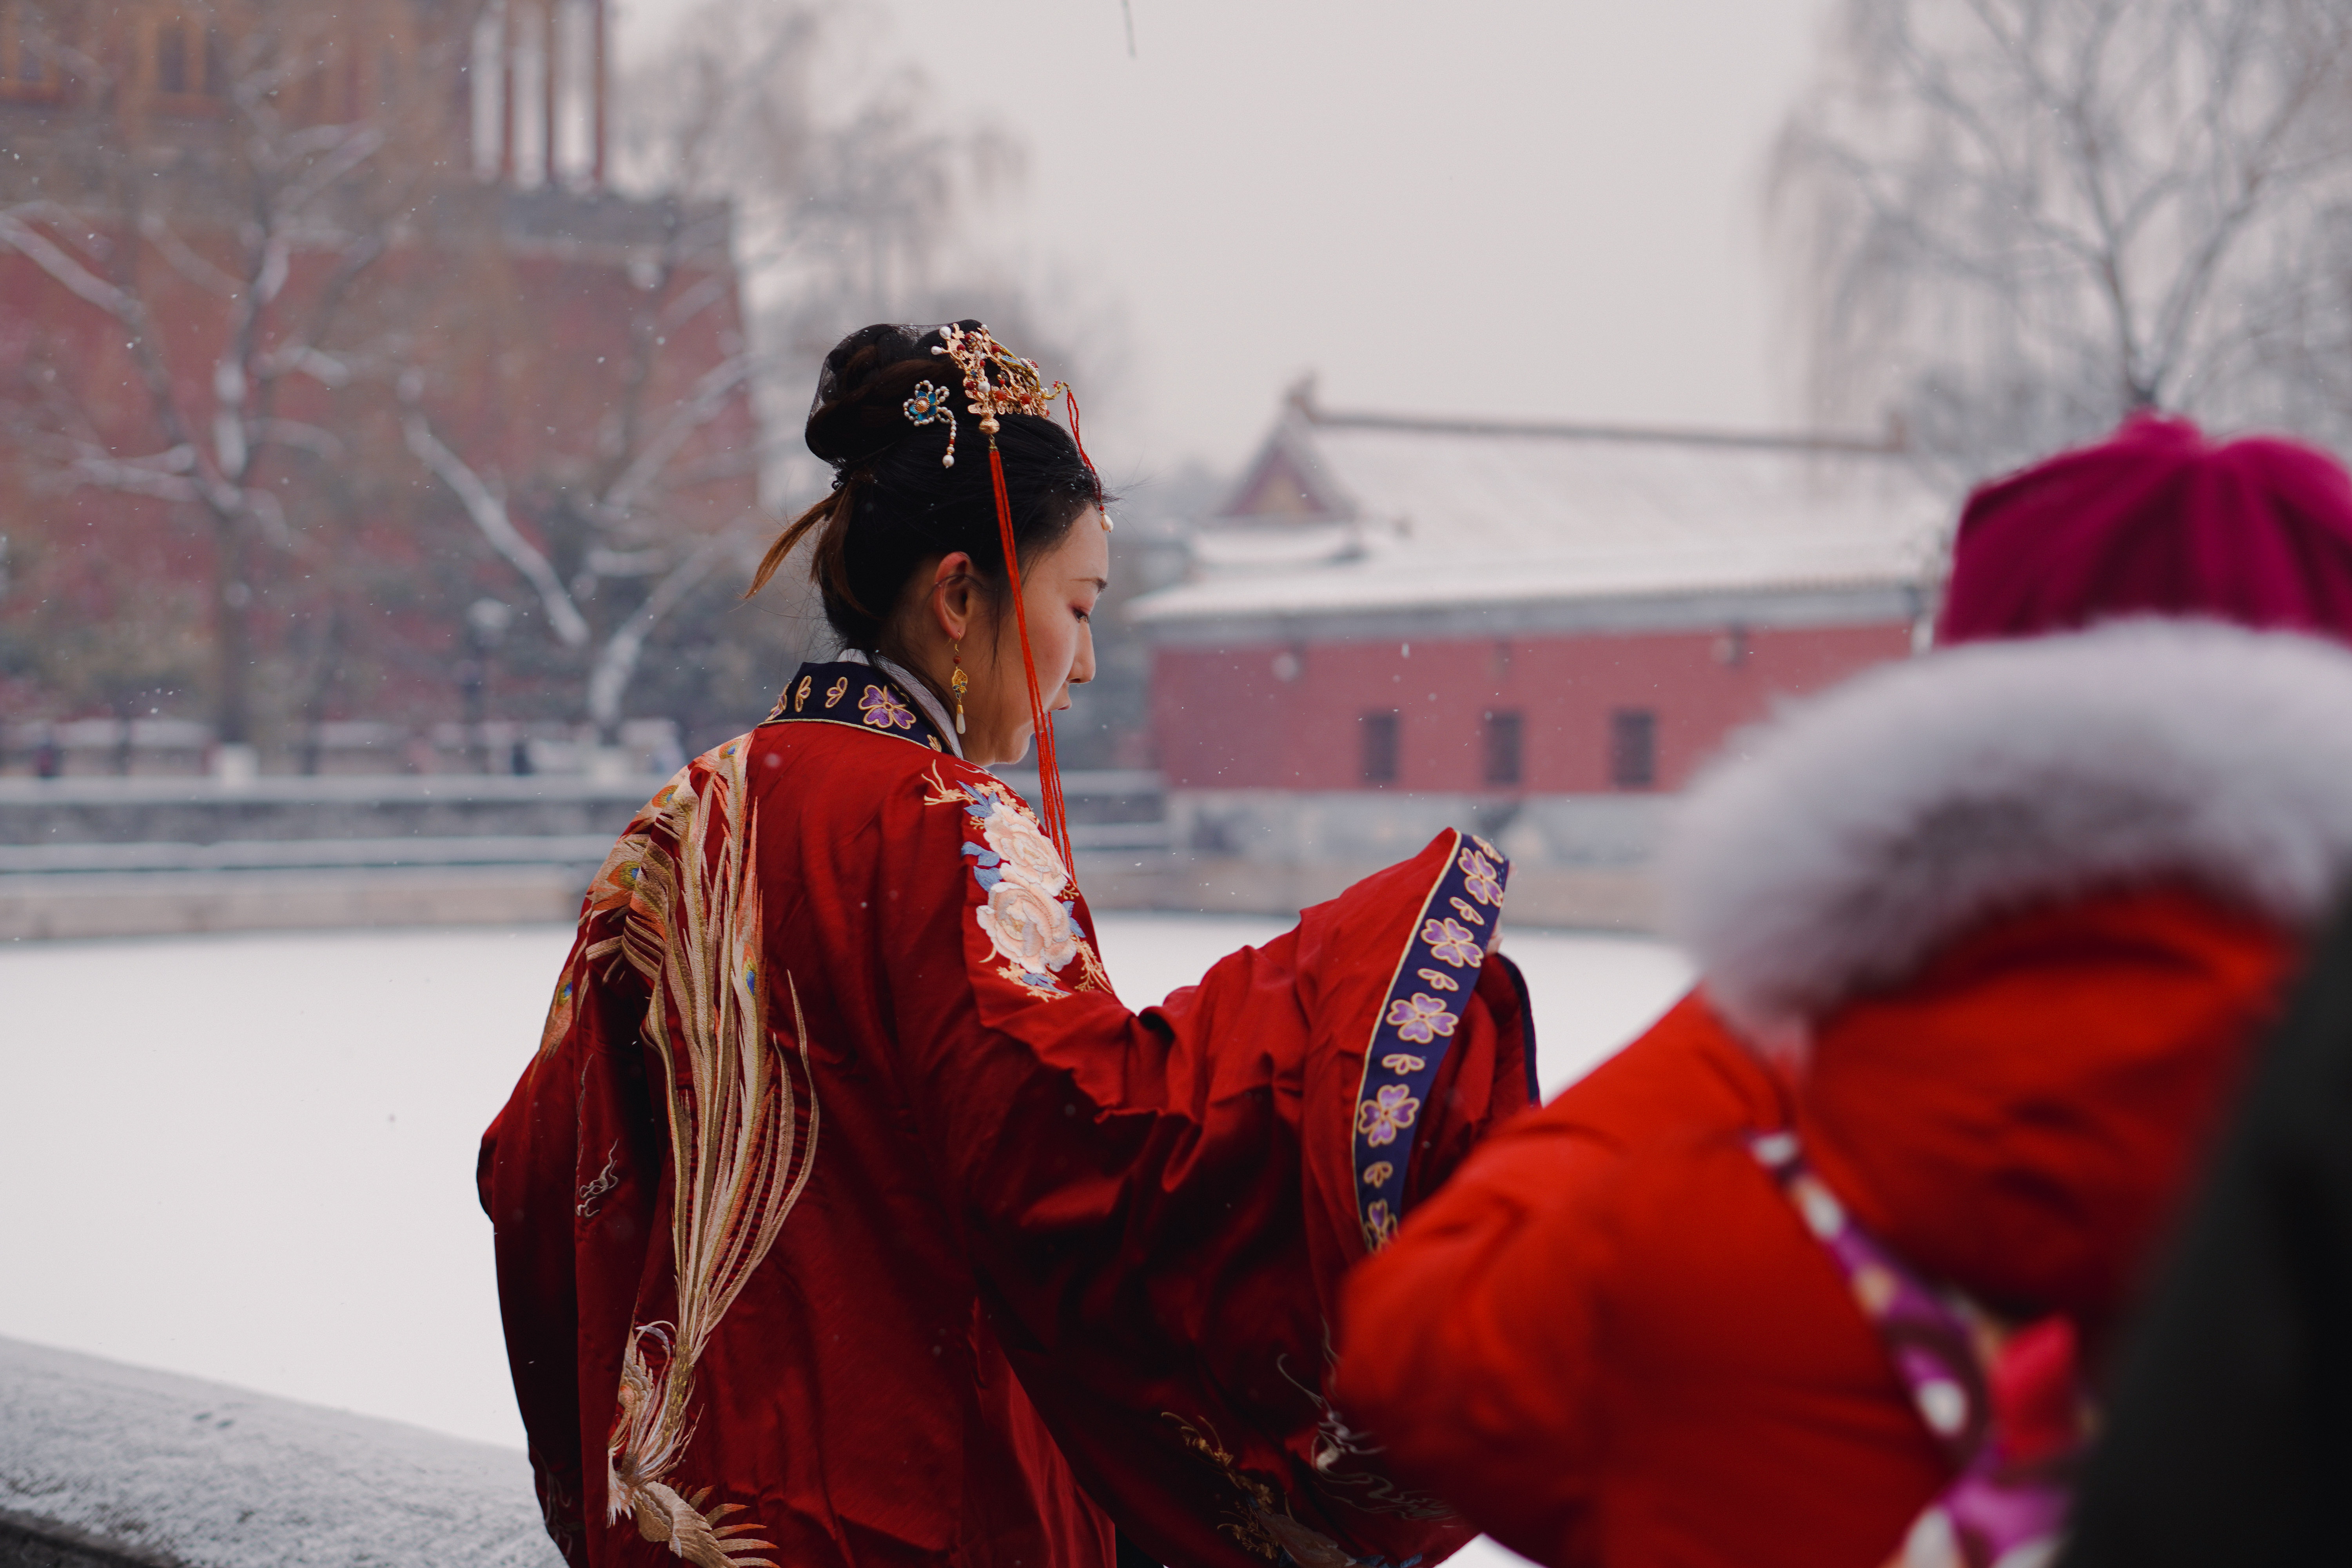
<point>893,505</point>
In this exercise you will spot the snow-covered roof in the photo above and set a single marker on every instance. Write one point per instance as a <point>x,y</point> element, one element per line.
<point>1352,514</point>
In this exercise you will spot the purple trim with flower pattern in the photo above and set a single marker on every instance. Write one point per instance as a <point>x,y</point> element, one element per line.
<point>1416,1023</point>
<point>2000,1510</point>
<point>882,709</point>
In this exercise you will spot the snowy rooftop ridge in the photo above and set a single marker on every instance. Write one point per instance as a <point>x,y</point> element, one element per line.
<point>149,1467</point>
<point>1348,512</point>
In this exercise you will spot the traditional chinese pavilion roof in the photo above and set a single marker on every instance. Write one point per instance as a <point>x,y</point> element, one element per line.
<point>1371,519</point>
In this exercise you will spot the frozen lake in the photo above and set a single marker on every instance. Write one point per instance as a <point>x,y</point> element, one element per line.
<point>251,1158</point>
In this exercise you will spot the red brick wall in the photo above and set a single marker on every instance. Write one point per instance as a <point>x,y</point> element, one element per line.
<point>529,357</point>
<point>1227,719</point>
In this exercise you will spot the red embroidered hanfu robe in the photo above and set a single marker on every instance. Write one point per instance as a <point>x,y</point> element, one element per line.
<point>844,1216</point>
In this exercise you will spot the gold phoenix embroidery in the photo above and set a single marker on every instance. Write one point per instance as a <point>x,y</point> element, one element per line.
<point>1336,1442</point>
<point>632,888</point>
<point>738,1160</point>
<point>1246,1524</point>
<point>1263,1525</point>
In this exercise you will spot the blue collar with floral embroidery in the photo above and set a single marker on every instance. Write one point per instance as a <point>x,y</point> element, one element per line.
<point>859,696</point>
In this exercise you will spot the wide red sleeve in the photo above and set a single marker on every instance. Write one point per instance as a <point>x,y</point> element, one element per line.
<point>1162,1205</point>
<point>524,1175</point>
<point>1468,1349</point>
<point>567,1150</point>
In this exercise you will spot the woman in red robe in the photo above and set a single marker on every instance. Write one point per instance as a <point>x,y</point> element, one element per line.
<point>844,1216</point>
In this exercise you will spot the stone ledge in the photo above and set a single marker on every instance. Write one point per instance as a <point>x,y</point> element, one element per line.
<point>1613,899</point>
<point>80,905</point>
<point>136,903</point>
<point>108,1465</point>
<point>28,1540</point>
<point>352,789</point>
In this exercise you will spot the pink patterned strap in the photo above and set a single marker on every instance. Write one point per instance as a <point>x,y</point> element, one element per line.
<point>2006,1406</point>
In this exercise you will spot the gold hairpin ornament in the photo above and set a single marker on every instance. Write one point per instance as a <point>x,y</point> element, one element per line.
<point>1017,386</point>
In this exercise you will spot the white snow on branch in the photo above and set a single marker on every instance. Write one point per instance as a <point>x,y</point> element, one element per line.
<point>185,260</point>
<point>52,259</point>
<point>704,403</point>
<point>616,662</point>
<point>489,515</point>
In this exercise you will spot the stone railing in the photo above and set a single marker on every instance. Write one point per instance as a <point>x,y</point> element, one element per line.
<point>1577,860</point>
<point>91,857</point>
<point>108,1465</point>
<point>86,857</point>
<point>184,748</point>
<point>99,857</point>
<point>290,808</point>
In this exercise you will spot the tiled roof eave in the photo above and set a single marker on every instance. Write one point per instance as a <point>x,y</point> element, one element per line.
<point>1262,596</point>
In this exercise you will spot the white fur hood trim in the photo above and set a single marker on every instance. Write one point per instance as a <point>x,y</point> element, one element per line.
<point>1841,843</point>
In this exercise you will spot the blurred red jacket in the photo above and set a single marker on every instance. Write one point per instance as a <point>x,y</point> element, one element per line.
<point>2005,921</point>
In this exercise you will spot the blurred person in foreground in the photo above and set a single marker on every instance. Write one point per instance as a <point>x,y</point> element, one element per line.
<point>1822,1271</point>
<point>2227,1436</point>
<point>845,1214</point>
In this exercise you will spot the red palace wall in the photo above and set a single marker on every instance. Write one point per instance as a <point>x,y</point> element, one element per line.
<point>529,352</point>
<point>1226,717</point>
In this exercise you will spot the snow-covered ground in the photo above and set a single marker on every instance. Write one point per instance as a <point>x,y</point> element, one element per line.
<point>251,1158</point>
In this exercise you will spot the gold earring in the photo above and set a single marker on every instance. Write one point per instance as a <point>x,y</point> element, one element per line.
<point>959,683</point>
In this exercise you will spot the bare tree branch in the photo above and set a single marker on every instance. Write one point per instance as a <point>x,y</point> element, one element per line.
<point>52,259</point>
<point>186,261</point>
<point>488,513</point>
<point>2013,220</point>
<point>616,661</point>
<point>711,394</point>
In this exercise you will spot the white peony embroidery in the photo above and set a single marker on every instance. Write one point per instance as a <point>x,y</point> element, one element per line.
<point>1029,857</point>
<point>1027,926</point>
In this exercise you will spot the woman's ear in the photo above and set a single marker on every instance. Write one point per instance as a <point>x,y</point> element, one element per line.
<point>954,596</point>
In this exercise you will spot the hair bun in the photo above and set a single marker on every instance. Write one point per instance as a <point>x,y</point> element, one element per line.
<point>860,409</point>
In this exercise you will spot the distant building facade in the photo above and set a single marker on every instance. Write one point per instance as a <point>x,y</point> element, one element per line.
<point>577,351</point>
<point>1536,630</point>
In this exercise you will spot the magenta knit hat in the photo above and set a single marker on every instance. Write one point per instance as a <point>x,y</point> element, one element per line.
<point>2157,519</point>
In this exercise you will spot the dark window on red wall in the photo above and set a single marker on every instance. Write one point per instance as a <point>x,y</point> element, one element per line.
<point>171,57</point>
<point>1380,748</point>
<point>1634,748</point>
<point>1504,732</point>
<point>26,57</point>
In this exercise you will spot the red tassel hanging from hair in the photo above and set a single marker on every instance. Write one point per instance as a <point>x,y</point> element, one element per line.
<point>1070,401</point>
<point>1049,767</point>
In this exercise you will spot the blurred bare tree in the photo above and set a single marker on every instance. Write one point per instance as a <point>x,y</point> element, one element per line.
<point>328,387</point>
<point>319,163</point>
<point>285,298</point>
<point>619,533</point>
<point>2010,222</point>
<point>852,187</point>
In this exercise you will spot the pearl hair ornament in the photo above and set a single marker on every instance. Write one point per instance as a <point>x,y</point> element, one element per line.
<point>928,406</point>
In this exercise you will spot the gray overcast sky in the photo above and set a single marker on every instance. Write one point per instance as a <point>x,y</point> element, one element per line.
<point>1517,208</point>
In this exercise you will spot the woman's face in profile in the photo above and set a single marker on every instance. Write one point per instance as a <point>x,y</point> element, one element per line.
<point>1059,590</point>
